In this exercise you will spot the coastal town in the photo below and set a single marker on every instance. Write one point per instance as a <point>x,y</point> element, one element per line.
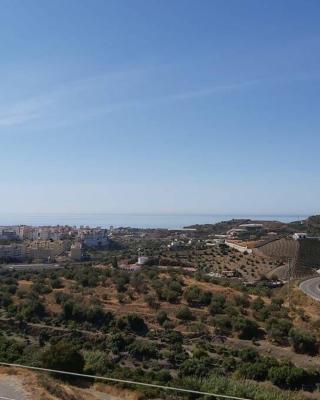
<point>260,249</point>
<point>238,298</point>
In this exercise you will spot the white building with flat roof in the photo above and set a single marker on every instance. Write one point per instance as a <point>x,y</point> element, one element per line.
<point>299,235</point>
<point>94,238</point>
<point>76,251</point>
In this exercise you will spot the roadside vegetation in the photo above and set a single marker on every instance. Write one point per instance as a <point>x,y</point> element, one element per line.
<point>159,326</point>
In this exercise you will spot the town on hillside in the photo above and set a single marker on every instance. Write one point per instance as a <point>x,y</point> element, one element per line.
<point>230,307</point>
<point>252,251</point>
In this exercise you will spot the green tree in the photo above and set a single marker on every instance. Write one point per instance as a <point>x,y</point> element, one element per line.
<point>197,297</point>
<point>246,328</point>
<point>133,323</point>
<point>63,356</point>
<point>184,313</point>
<point>217,304</point>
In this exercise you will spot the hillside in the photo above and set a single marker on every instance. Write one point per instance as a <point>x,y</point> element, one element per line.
<point>219,227</point>
<point>26,385</point>
<point>311,225</point>
<point>166,327</point>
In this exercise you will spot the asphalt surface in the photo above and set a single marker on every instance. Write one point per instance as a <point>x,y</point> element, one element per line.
<point>30,267</point>
<point>11,388</point>
<point>311,287</point>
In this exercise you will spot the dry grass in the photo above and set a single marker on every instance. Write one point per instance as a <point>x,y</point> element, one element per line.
<point>44,387</point>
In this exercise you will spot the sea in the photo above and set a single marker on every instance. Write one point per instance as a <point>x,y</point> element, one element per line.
<point>105,220</point>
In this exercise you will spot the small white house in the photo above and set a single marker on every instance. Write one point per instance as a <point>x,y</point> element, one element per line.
<point>299,235</point>
<point>142,260</point>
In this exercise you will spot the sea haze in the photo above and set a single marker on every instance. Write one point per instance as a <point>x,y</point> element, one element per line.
<point>169,221</point>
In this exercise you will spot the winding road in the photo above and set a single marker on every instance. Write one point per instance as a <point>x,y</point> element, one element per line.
<point>11,388</point>
<point>311,287</point>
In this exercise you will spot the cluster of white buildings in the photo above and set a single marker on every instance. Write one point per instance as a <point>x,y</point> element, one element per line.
<point>246,231</point>
<point>25,232</point>
<point>47,242</point>
<point>142,260</point>
<point>9,233</point>
<point>43,250</point>
<point>95,237</point>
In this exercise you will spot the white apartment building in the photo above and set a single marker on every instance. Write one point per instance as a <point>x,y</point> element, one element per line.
<point>76,251</point>
<point>94,238</point>
<point>34,250</point>
<point>9,232</point>
<point>15,251</point>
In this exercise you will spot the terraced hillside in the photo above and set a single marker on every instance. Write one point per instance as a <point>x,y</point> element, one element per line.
<point>309,253</point>
<point>305,253</point>
<point>281,249</point>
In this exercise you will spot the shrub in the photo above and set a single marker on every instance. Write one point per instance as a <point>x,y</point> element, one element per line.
<point>163,376</point>
<point>303,342</point>
<point>197,297</point>
<point>32,310</point>
<point>246,328</point>
<point>184,313</point>
<point>96,362</point>
<point>263,313</point>
<point>242,300</point>
<point>162,317</point>
<point>217,304</point>
<point>257,304</point>
<point>61,297</point>
<point>287,376</point>
<point>196,367</point>
<point>143,350</point>
<point>56,283</point>
<point>257,371</point>
<point>175,286</point>
<point>168,325</point>
<point>170,295</point>
<point>63,356</point>
<point>278,329</point>
<point>118,343</point>
<point>276,304</point>
<point>248,354</point>
<point>94,313</point>
<point>173,337</point>
<point>151,300</point>
<point>121,280</point>
<point>10,350</point>
<point>5,300</point>
<point>134,323</point>
<point>222,324</point>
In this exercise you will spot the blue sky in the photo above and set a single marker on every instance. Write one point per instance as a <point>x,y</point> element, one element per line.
<point>160,106</point>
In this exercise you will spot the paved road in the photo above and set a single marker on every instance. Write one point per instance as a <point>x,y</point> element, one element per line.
<point>11,388</point>
<point>311,287</point>
<point>30,267</point>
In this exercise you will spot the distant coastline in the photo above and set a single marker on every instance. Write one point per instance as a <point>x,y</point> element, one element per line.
<point>105,220</point>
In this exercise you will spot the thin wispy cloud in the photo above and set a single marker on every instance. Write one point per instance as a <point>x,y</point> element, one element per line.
<point>23,112</point>
<point>69,104</point>
<point>52,102</point>
<point>48,105</point>
<point>209,91</point>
